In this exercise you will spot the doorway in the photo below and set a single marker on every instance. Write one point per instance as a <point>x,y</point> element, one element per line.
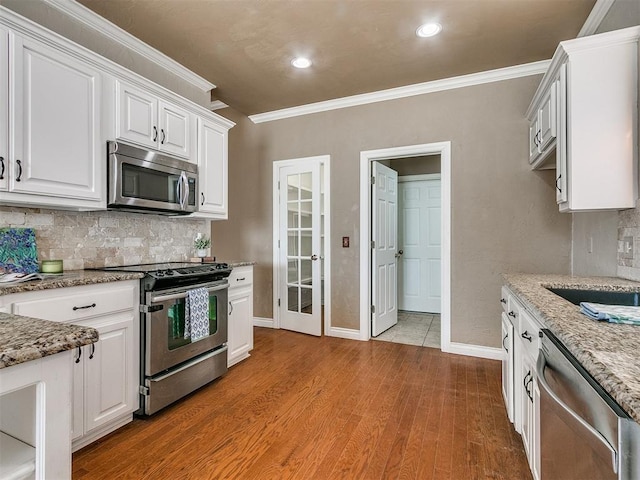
<point>301,283</point>
<point>367,298</point>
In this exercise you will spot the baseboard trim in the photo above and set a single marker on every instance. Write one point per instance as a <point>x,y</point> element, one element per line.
<point>479,351</point>
<point>263,322</point>
<point>348,333</point>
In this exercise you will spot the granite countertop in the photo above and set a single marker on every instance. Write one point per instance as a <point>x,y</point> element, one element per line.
<point>24,338</point>
<point>608,351</point>
<point>71,279</point>
<point>240,264</point>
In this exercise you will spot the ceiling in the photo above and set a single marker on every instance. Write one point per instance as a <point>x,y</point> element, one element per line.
<point>357,46</point>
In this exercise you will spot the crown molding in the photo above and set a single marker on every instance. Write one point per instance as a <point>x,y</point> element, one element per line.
<point>94,21</point>
<point>593,21</point>
<point>535,68</point>
<point>217,105</point>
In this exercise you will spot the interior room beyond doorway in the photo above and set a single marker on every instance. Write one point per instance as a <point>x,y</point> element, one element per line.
<point>418,282</point>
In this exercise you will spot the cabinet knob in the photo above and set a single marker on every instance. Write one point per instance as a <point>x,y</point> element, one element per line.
<point>19,163</point>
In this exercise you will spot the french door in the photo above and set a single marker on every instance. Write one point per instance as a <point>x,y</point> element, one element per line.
<point>301,246</point>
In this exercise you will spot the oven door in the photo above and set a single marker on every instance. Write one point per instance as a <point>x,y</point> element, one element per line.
<point>165,345</point>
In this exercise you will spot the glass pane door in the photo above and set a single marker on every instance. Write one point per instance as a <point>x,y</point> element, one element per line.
<point>300,248</point>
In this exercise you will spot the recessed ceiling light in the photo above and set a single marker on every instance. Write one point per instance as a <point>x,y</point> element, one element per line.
<point>301,62</point>
<point>429,30</point>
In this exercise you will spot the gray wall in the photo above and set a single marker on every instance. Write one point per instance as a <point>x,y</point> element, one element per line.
<point>415,165</point>
<point>504,216</point>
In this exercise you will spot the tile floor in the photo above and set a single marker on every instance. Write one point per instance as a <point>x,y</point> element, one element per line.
<point>414,328</point>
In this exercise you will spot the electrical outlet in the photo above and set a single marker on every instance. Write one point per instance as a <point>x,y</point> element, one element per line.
<point>627,247</point>
<point>345,242</point>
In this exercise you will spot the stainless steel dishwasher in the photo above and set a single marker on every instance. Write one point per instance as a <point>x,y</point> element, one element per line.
<point>584,434</point>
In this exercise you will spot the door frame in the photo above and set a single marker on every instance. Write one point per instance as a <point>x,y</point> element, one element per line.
<point>417,178</point>
<point>324,160</point>
<point>366,158</point>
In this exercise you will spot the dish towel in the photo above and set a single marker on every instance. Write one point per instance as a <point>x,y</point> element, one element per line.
<point>611,313</point>
<point>196,314</point>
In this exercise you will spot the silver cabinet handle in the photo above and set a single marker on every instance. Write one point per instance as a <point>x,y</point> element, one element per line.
<point>542,382</point>
<point>176,296</point>
<point>186,190</point>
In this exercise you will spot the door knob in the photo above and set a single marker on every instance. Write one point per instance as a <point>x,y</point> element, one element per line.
<point>400,252</point>
<point>314,257</point>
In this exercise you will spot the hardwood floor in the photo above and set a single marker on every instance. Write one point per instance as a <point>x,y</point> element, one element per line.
<point>303,407</point>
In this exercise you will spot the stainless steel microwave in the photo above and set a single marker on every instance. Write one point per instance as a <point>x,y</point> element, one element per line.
<point>146,181</point>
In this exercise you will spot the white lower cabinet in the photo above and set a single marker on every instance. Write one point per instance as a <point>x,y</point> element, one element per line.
<point>105,374</point>
<point>523,383</point>
<point>240,341</point>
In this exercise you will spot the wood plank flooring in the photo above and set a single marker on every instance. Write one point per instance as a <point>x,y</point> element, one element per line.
<point>303,407</point>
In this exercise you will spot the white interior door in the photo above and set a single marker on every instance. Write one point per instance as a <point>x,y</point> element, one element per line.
<point>419,239</point>
<point>301,255</point>
<point>384,224</point>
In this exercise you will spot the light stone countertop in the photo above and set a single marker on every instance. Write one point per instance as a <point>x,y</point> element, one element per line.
<point>23,338</point>
<point>240,264</point>
<point>609,352</point>
<point>72,278</point>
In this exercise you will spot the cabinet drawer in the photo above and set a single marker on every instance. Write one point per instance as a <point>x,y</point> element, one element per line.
<point>528,333</point>
<point>69,308</point>
<point>241,277</point>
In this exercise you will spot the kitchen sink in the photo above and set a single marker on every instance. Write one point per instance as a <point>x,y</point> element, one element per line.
<point>576,296</point>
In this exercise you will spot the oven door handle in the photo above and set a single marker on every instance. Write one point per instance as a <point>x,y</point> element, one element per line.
<point>542,382</point>
<point>176,296</point>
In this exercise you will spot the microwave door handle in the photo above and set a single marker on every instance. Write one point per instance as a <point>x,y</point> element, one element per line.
<point>542,382</point>
<point>185,191</point>
<point>179,190</point>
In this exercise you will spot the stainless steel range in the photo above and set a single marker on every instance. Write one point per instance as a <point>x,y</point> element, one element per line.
<point>171,364</point>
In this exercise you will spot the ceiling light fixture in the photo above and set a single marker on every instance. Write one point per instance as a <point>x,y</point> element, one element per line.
<point>429,30</point>
<point>301,62</point>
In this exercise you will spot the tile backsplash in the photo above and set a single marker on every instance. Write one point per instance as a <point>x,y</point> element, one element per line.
<point>629,226</point>
<point>106,238</point>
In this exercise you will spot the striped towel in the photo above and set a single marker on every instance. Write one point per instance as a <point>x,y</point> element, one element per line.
<point>196,314</point>
<point>611,313</point>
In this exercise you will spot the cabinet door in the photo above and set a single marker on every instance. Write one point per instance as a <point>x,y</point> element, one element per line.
<point>240,325</point>
<point>136,115</point>
<point>212,168</point>
<point>4,108</point>
<point>176,126</point>
<point>507,365</point>
<point>547,119</point>
<point>56,146</point>
<point>533,140</point>
<point>562,194</point>
<point>527,403</point>
<point>77,393</point>
<point>108,374</point>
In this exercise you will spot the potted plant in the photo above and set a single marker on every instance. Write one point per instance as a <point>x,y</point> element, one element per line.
<point>201,244</point>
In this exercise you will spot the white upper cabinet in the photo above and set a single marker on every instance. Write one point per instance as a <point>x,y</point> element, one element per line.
<point>4,108</point>
<point>588,100</point>
<point>212,169</point>
<point>145,119</point>
<point>56,152</point>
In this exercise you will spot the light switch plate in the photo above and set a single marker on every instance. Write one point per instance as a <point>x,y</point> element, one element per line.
<point>627,247</point>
